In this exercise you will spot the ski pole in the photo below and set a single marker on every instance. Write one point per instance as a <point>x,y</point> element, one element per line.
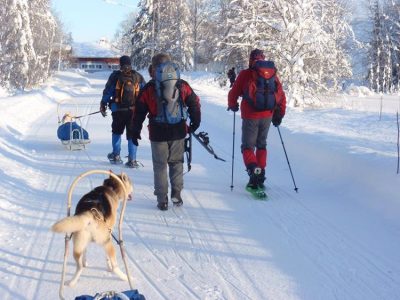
<point>233,147</point>
<point>287,159</point>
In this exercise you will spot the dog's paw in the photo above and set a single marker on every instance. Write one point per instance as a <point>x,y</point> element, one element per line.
<point>117,271</point>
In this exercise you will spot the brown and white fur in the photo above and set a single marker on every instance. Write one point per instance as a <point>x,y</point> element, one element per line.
<point>95,217</point>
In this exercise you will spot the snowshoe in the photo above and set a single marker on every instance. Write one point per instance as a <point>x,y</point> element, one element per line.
<point>257,192</point>
<point>133,164</point>
<point>176,198</point>
<point>162,202</point>
<point>162,205</point>
<point>114,159</point>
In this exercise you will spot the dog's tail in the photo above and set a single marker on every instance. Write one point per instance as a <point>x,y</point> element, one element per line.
<point>73,224</point>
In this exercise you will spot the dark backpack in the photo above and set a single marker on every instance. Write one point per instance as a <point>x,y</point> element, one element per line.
<point>261,92</point>
<point>170,107</point>
<point>126,89</point>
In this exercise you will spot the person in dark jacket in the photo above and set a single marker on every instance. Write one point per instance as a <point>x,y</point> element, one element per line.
<point>255,124</point>
<point>232,76</point>
<point>120,93</point>
<point>167,140</point>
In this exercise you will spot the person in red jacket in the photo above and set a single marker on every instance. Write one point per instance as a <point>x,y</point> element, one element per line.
<point>256,122</point>
<point>166,131</point>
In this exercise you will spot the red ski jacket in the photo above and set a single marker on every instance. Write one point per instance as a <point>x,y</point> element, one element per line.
<point>242,84</point>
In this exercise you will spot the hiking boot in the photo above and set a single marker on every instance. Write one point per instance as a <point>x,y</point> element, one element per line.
<point>254,174</point>
<point>162,206</point>
<point>261,179</point>
<point>132,164</point>
<point>162,202</point>
<point>114,158</point>
<point>176,198</point>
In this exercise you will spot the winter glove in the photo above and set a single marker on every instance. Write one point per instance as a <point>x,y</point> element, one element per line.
<point>193,127</point>
<point>277,118</point>
<point>103,109</point>
<point>234,108</point>
<point>135,139</point>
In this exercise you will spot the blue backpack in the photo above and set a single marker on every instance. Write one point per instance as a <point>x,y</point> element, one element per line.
<point>169,102</point>
<point>261,92</point>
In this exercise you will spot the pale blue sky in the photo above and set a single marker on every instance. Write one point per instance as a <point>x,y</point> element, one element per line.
<point>89,20</point>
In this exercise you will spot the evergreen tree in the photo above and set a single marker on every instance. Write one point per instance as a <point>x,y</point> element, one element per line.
<point>380,51</point>
<point>163,26</point>
<point>143,33</point>
<point>17,51</point>
<point>123,36</point>
<point>245,27</point>
<point>27,41</point>
<point>44,28</point>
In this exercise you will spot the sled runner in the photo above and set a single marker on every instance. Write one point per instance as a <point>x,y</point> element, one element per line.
<point>70,131</point>
<point>132,294</point>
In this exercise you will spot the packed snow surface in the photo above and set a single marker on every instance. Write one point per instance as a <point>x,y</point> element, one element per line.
<point>337,238</point>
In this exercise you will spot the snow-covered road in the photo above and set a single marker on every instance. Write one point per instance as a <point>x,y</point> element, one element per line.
<point>338,238</point>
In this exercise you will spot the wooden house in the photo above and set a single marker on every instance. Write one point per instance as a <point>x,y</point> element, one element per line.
<point>94,57</point>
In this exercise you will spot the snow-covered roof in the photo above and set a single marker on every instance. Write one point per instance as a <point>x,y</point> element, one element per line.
<point>94,49</point>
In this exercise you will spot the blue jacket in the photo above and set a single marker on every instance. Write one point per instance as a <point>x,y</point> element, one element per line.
<point>109,90</point>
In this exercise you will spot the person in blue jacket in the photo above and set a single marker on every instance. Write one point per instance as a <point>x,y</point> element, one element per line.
<point>119,94</point>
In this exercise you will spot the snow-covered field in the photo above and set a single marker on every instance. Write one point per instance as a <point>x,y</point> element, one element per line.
<point>338,238</point>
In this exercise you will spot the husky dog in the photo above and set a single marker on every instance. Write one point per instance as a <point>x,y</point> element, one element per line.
<point>95,217</point>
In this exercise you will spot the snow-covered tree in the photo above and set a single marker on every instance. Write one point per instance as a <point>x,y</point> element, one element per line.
<point>17,51</point>
<point>174,32</point>
<point>27,41</point>
<point>380,51</point>
<point>384,46</point>
<point>143,33</point>
<point>305,38</point>
<point>163,26</point>
<point>245,26</point>
<point>308,45</point>
<point>123,36</point>
<point>44,28</point>
<point>200,12</point>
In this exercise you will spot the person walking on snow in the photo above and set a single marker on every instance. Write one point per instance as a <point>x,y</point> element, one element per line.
<point>256,118</point>
<point>232,76</point>
<point>120,93</point>
<point>167,100</point>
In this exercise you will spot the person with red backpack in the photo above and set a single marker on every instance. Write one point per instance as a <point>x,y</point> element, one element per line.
<point>120,93</point>
<point>167,101</point>
<point>263,101</point>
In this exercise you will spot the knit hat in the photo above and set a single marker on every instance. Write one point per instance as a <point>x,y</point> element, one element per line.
<point>124,61</point>
<point>255,55</point>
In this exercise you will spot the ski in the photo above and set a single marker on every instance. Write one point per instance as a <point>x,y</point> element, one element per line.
<point>258,194</point>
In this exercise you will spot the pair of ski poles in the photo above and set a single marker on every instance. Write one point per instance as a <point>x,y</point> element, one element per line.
<point>233,152</point>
